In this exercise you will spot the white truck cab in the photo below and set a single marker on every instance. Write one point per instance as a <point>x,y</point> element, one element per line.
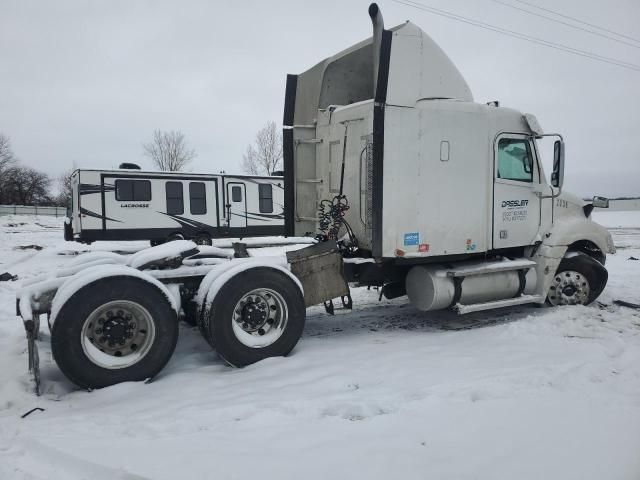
<point>433,181</point>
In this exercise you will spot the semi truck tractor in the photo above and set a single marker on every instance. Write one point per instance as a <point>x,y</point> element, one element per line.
<point>404,183</point>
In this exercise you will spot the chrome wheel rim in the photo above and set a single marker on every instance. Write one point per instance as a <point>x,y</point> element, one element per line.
<point>569,288</point>
<point>118,334</point>
<point>260,318</point>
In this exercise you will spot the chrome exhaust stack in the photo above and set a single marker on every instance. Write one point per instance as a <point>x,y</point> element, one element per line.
<point>378,27</point>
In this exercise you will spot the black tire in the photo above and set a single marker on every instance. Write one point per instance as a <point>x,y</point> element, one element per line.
<point>219,330</point>
<point>593,272</point>
<point>68,231</point>
<point>174,236</point>
<point>155,243</point>
<point>67,332</point>
<point>203,239</point>
<point>190,313</point>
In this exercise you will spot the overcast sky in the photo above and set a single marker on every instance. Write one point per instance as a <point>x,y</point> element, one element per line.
<point>87,82</point>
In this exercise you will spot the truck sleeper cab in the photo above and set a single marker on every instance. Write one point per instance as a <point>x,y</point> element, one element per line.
<point>436,184</point>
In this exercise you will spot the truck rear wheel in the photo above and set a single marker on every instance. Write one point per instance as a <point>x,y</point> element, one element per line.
<point>258,313</point>
<point>579,280</point>
<point>113,330</point>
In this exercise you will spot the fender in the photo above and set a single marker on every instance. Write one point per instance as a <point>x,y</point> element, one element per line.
<point>218,270</point>
<point>563,234</point>
<point>219,277</point>
<point>84,278</point>
<point>556,242</point>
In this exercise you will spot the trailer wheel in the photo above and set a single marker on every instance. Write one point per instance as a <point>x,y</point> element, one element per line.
<point>579,280</point>
<point>203,239</point>
<point>258,313</point>
<point>113,330</point>
<point>175,236</point>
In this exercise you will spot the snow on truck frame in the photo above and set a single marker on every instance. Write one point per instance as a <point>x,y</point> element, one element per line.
<point>405,182</point>
<point>130,204</point>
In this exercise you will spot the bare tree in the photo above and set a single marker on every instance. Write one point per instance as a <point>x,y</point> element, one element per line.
<point>6,154</point>
<point>7,160</point>
<point>26,186</point>
<point>169,150</point>
<point>64,187</point>
<point>265,155</point>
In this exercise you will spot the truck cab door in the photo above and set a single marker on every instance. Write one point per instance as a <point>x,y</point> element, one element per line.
<point>516,187</point>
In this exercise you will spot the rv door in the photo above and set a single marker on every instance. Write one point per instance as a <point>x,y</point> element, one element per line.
<point>236,205</point>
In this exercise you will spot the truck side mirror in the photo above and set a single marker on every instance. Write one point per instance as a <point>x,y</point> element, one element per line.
<point>557,177</point>
<point>600,202</point>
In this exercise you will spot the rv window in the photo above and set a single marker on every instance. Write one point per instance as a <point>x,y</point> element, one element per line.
<point>265,194</point>
<point>197,198</point>
<point>175,201</point>
<point>515,161</point>
<point>133,190</point>
<point>236,194</point>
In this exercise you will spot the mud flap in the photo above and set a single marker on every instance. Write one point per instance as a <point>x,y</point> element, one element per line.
<point>320,270</point>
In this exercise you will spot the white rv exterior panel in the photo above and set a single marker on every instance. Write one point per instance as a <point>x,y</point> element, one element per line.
<point>174,203</point>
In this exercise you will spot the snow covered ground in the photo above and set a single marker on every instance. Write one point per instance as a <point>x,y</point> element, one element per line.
<point>382,391</point>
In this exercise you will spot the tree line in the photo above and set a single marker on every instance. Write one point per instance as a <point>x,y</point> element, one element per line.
<point>22,185</point>
<point>168,151</point>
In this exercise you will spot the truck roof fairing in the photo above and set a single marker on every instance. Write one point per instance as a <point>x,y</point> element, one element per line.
<point>415,68</point>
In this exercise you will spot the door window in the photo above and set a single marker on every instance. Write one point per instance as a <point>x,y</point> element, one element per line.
<point>236,193</point>
<point>197,198</point>
<point>175,198</point>
<point>265,195</point>
<point>515,161</point>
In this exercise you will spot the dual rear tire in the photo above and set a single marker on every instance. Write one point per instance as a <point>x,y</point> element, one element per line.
<point>123,328</point>
<point>114,330</point>
<point>258,313</point>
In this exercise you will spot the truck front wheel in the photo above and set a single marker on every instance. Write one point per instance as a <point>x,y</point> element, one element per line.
<point>113,330</point>
<point>579,280</point>
<point>258,313</point>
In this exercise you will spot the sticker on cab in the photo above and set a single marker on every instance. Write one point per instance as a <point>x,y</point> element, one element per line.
<point>470,245</point>
<point>412,238</point>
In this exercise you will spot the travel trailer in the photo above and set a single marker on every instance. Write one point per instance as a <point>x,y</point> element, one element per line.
<point>130,204</point>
